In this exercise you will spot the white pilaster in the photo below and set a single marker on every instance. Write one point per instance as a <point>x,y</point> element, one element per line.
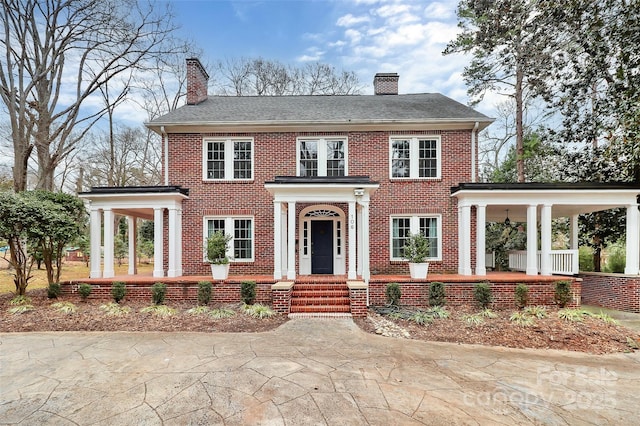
<point>366,273</point>
<point>284,263</point>
<point>291,241</point>
<point>464,240</point>
<point>277,240</point>
<point>574,228</point>
<point>158,240</point>
<point>175,242</point>
<point>108,244</point>
<point>481,218</point>
<point>95,227</point>
<point>532,240</point>
<point>633,241</point>
<point>351,274</point>
<point>133,232</point>
<point>359,242</point>
<point>545,240</point>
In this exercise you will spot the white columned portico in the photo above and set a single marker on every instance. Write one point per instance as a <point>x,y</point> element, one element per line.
<point>277,240</point>
<point>351,274</point>
<point>158,250</point>
<point>481,216</point>
<point>464,241</point>
<point>545,240</point>
<point>175,242</point>
<point>291,241</point>
<point>532,240</point>
<point>133,233</point>
<point>96,237</point>
<point>108,244</point>
<point>632,266</point>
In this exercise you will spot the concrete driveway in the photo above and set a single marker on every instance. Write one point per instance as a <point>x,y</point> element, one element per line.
<point>309,371</point>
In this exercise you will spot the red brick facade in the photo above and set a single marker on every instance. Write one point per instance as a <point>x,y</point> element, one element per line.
<point>611,291</point>
<point>275,155</point>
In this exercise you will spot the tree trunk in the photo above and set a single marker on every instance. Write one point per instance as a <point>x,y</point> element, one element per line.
<point>519,129</point>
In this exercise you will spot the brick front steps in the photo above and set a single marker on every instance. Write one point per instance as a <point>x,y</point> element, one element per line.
<point>320,298</point>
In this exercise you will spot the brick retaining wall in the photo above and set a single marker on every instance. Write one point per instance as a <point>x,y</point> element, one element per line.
<point>613,291</point>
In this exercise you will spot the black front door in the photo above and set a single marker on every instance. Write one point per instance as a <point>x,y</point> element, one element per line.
<point>322,247</point>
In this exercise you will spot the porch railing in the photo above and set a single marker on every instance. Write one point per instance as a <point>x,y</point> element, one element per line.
<point>563,262</point>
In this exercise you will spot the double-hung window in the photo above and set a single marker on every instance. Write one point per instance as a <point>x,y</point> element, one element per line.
<point>403,226</point>
<point>227,159</point>
<point>241,231</point>
<point>414,157</point>
<point>322,157</point>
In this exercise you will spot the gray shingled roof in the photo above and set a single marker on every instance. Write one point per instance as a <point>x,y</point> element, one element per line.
<point>314,109</point>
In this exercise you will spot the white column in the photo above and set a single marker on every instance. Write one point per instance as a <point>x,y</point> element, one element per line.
<point>481,219</point>
<point>108,244</point>
<point>95,227</point>
<point>284,262</point>
<point>532,240</point>
<point>359,242</point>
<point>291,242</point>
<point>366,273</point>
<point>158,241</point>
<point>133,233</point>
<point>352,241</point>
<point>277,240</point>
<point>574,228</point>
<point>464,240</point>
<point>545,240</point>
<point>633,244</point>
<point>175,242</point>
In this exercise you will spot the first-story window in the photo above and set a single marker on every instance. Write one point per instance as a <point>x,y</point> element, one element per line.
<point>403,226</point>
<point>228,159</point>
<point>241,231</point>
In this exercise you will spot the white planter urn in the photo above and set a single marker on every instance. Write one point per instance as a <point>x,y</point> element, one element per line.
<point>220,271</point>
<point>418,270</point>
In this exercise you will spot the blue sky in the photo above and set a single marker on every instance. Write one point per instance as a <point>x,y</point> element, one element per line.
<point>364,36</point>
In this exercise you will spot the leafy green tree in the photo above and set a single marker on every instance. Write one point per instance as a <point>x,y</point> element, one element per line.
<point>507,41</point>
<point>41,220</point>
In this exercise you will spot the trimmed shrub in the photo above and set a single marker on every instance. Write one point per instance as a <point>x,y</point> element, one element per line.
<point>54,290</point>
<point>393,294</point>
<point>562,294</point>
<point>437,296</point>
<point>248,292</point>
<point>204,293</point>
<point>158,292</point>
<point>118,291</point>
<point>482,295</point>
<point>84,290</point>
<point>521,295</point>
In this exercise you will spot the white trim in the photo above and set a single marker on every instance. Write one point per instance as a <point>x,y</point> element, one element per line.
<point>339,265</point>
<point>228,158</point>
<point>322,152</point>
<point>229,229</point>
<point>414,156</point>
<point>414,226</point>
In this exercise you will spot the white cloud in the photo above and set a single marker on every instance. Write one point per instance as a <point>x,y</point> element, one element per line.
<point>349,20</point>
<point>440,11</point>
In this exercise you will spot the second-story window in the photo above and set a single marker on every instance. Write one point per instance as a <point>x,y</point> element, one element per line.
<point>322,157</point>
<point>228,159</point>
<point>416,157</point>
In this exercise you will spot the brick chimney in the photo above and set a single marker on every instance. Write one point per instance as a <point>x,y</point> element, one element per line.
<point>386,83</point>
<point>197,82</point>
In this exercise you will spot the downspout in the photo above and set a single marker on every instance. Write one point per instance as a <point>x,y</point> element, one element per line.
<point>166,155</point>
<point>473,151</point>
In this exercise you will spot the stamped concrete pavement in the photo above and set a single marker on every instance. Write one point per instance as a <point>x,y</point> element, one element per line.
<point>309,371</point>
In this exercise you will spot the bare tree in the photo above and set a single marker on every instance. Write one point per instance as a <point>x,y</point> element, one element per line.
<point>56,55</point>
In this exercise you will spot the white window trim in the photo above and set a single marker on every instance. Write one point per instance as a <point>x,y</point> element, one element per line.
<point>228,159</point>
<point>322,153</point>
<point>414,147</point>
<point>229,229</point>
<point>414,225</point>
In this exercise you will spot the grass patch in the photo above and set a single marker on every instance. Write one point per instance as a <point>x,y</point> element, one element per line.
<point>221,313</point>
<point>20,300</point>
<point>438,312</point>
<point>522,319</point>
<point>198,310</point>
<point>21,309</point>
<point>64,307</point>
<point>114,309</point>
<point>159,310</point>
<point>606,318</point>
<point>536,311</point>
<point>572,315</point>
<point>473,319</point>
<point>258,311</point>
<point>488,313</point>
<point>421,318</point>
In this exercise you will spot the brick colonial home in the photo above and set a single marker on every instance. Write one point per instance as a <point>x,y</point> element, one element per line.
<point>329,187</point>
